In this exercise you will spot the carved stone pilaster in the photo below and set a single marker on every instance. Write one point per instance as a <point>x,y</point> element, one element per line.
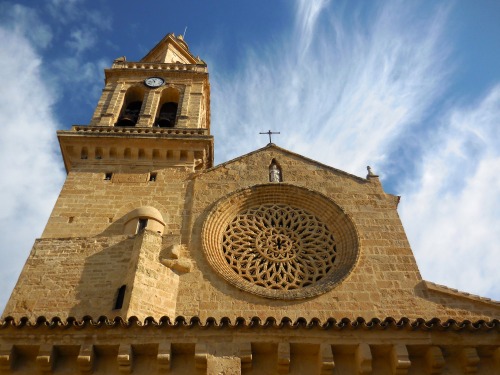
<point>283,358</point>
<point>400,359</point>
<point>85,359</point>
<point>246,355</point>
<point>164,356</point>
<point>434,360</point>
<point>7,357</point>
<point>124,359</point>
<point>45,359</point>
<point>363,357</point>
<point>326,359</point>
<point>469,360</point>
<point>201,356</point>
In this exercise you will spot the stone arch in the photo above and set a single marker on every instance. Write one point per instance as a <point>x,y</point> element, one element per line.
<point>168,107</point>
<point>132,106</point>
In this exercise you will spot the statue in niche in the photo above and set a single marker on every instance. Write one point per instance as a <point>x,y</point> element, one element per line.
<point>274,172</point>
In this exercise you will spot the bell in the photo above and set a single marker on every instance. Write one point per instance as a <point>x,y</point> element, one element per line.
<point>165,121</point>
<point>126,121</point>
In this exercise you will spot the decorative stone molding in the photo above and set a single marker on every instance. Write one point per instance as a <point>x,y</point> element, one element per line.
<point>7,356</point>
<point>246,355</point>
<point>173,261</point>
<point>163,356</point>
<point>85,359</point>
<point>400,359</point>
<point>470,360</point>
<point>124,359</point>
<point>136,130</point>
<point>179,265</point>
<point>327,363</point>
<point>201,356</point>
<point>280,241</point>
<point>283,358</point>
<point>45,359</point>
<point>198,68</point>
<point>363,357</point>
<point>434,360</point>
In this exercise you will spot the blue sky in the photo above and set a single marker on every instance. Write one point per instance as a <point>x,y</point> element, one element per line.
<point>411,88</point>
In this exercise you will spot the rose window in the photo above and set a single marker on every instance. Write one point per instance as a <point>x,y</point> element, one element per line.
<point>279,241</point>
<point>279,247</point>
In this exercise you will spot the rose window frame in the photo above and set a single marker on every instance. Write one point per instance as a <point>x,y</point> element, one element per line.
<point>280,241</point>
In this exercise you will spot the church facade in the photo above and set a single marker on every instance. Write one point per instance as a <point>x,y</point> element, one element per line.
<point>156,261</point>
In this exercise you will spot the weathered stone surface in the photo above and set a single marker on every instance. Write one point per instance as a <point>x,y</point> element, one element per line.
<point>145,227</point>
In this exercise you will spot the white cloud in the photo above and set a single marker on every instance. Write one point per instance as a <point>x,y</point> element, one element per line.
<point>82,40</point>
<point>343,99</point>
<point>29,165</point>
<point>308,11</point>
<point>26,22</point>
<point>351,96</point>
<point>68,11</point>
<point>451,212</point>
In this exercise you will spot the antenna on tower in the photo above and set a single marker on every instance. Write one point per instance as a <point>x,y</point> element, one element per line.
<point>184,35</point>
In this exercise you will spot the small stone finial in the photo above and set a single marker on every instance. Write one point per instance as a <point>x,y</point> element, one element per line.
<point>370,172</point>
<point>120,59</point>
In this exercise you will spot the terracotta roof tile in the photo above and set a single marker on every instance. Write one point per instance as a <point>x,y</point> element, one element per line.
<point>255,322</point>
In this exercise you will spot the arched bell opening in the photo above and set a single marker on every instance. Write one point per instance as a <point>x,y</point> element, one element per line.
<point>131,108</point>
<point>167,109</point>
<point>168,113</point>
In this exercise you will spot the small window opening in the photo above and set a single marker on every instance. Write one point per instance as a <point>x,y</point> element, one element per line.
<point>143,223</point>
<point>84,153</point>
<point>127,154</point>
<point>70,219</point>
<point>107,176</point>
<point>130,115</point>
<point>110,219</point>
<point>120,297</point>
<point>275,173</point>
<point>152,177</point>
<point>98,153</point>
<point>166,118</point>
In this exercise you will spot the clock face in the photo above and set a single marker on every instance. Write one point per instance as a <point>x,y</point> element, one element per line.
<point>154,82</point>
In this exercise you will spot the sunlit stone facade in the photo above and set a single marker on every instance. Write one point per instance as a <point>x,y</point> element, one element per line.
<point>155,261</point>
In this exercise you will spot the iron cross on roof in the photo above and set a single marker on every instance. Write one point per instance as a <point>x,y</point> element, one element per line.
<point>269,133</point>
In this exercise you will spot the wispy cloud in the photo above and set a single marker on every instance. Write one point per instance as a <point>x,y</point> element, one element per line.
<point>30,168</point>
<point>344,97</point>
<point>308,12</point>
<point>451,211</point>
<point>358,88</point>
<point>69,11</point>
<point>82,40</point>
<point>26,21</point>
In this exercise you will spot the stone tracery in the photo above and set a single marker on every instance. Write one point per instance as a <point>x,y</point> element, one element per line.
<point>279,247</point>
<point>280,241</point>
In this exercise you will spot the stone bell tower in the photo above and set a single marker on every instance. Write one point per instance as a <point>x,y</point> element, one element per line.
<point>124,198</point>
